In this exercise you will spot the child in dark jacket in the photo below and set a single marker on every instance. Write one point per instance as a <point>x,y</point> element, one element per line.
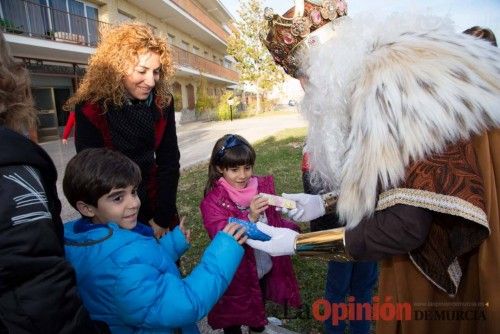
<point>233,191</point>
<point>125,276</point>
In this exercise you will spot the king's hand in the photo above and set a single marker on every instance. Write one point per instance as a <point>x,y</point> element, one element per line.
<point>309,207</point>
<point>282,240</point>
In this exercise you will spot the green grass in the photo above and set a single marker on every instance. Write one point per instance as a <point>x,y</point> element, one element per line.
<point>280,156</point>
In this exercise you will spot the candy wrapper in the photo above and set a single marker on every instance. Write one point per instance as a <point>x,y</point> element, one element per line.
<point>279,201</point>
<point>251,229</point>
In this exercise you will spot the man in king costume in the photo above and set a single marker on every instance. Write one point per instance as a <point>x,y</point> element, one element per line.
<point>403,129</point>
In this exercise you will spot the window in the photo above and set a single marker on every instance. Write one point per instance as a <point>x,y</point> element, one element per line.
<point>60,17</point>
<point>77,22</point>
<point>196,50</point>
<point>171,39</point>
<point>227,63</point>
<point>185,45</point>
<point>123,16</point>
<point>93,24</point>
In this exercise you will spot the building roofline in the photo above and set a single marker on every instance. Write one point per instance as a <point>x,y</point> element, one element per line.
<point>227,12</point>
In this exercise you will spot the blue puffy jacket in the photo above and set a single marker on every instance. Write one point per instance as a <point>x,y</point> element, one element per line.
<point>129,279</point>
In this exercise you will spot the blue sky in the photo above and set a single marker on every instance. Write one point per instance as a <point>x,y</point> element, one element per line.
<point>465,13</point>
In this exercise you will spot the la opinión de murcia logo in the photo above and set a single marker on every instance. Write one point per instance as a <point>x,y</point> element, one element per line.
<point>323,310</point>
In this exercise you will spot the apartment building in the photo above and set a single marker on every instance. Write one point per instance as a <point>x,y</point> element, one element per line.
<point>54,39</point>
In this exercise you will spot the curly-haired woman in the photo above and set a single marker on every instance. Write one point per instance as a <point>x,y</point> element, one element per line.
<point>124,103</point>
<point>37,284</point>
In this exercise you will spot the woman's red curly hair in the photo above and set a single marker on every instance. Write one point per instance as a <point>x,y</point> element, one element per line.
<point>116,53</point>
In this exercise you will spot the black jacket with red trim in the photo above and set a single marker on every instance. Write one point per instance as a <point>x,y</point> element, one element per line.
<point>94,129</point>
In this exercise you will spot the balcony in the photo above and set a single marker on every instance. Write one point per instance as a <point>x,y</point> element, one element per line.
<point>200,16</point>
<point>187,17</point>
<point>25,18</point>
<point>37,31</point>
<point>187,59</point>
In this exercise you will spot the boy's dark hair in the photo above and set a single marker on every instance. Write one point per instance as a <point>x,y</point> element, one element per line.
<point>229,151</point>
<point>94,172</point>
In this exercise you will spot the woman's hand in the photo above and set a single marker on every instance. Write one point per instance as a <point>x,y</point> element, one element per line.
<point>258,205</point>
<point>157,229</point>
<point>237,232</point>
<point>186,232</point>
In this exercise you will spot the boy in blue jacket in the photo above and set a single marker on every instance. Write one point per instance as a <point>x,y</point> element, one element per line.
<point>125,276</point>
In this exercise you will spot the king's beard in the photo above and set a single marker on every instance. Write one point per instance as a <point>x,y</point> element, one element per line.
<point>326,140</point>
<point>331,69</point>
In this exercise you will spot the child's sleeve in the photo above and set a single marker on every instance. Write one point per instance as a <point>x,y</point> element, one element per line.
<point>174,243</point>
<point>148,298</point>
<point>69,125</point>
<point>214,217</point>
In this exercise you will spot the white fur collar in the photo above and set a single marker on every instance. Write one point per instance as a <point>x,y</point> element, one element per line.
<point>385,93</point>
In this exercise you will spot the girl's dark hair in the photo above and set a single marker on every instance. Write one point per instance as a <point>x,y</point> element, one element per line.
<point>483,33</point>
<point>229,151</point>
<point>94,172</point>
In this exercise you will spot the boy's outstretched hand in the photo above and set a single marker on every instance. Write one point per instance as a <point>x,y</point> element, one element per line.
<point>237,231</point>
<point>186,232</point>
<point>157,229</point>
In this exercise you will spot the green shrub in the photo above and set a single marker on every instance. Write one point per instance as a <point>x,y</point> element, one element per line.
<point>204,103</point>
<point>10,27</point>
<point>223,111</point>
<point>177,102</point>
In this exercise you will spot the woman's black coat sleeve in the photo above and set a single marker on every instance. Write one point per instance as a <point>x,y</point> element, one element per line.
<point>167,159</point>
<point>86,134</point>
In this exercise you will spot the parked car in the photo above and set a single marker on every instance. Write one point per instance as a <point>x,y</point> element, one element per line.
<point>292,103</point>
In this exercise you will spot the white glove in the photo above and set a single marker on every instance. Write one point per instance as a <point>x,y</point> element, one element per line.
<point>309,207</point>
<point>282,240</point>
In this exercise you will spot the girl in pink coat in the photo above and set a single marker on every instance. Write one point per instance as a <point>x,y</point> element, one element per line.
<point>232,191</point>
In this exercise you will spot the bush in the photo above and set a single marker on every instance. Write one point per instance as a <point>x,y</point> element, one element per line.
<point>177,102</point>
<point>205,103</point>
<point>223,111</point>
<point>10,27</point>
<point>266,105</point>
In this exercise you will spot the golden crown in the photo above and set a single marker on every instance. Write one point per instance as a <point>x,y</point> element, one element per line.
<point>303,24</point>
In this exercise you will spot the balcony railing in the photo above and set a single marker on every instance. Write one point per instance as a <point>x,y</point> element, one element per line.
<point>200,16</point>
<point>34,20</point>
<point>188,59</point>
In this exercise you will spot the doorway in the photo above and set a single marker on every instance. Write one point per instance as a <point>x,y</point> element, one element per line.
<point>61,95</point>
